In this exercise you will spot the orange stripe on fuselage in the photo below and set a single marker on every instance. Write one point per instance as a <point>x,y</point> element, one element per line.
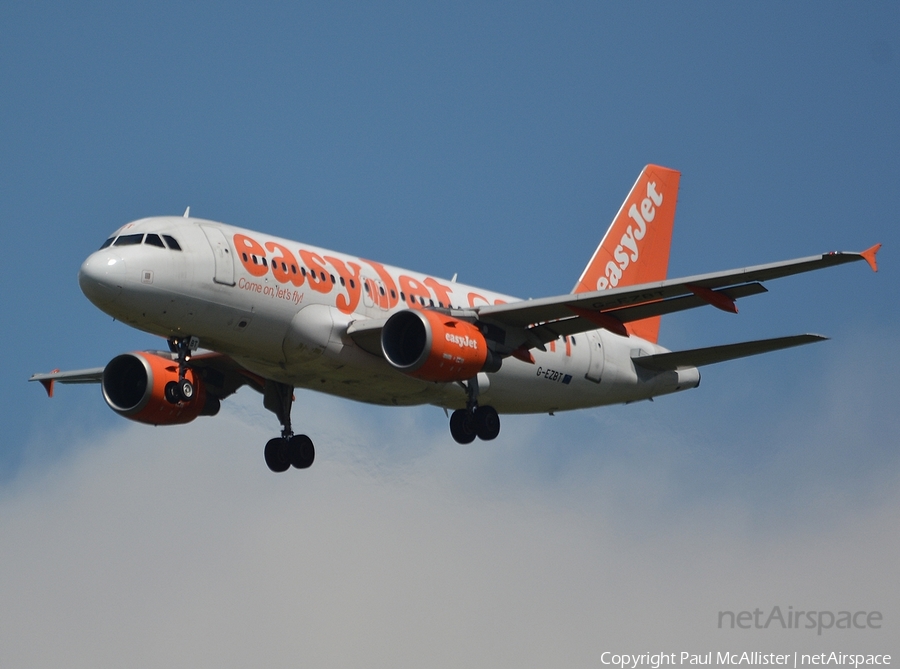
<point>325,273</point>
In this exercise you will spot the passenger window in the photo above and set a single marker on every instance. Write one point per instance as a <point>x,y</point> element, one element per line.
<point>154,240</point>
<point>170,240</point>
<point>108,242</point>
<point>129,240</point>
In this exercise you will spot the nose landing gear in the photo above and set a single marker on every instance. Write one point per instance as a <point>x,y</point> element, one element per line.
<point>181,390</point>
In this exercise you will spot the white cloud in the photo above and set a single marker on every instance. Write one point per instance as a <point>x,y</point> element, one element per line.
<point>177,547</point>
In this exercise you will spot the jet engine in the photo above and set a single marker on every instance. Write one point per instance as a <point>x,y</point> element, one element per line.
<point>433,347</point>
<point>134,386</point>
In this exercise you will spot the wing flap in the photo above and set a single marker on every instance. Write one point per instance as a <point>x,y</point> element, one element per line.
<point>713,354</point>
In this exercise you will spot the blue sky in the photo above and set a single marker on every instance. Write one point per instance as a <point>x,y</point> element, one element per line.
<point>496,141</point>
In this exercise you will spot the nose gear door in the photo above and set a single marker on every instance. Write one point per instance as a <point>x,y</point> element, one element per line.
<point>223,255</point>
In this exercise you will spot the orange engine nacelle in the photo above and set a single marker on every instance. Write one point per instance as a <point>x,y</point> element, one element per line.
<point>134,386</point>
<point>434,347</point>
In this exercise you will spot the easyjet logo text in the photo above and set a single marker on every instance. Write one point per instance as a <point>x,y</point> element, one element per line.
<point>628,249</point>
<point>461,341</point>
<point>325,273</point>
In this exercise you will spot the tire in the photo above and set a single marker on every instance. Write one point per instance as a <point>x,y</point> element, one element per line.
<point>462,426</point>
<point>301,451</point>
<point>276,455</point>
<point>172,392</point>
<point>487,423</point>
<point>186,389</point>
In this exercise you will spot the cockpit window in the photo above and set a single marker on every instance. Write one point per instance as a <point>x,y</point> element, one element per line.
<point>108,242</point>
<point>129,240</point>
<point>154,240</point>
<point>170,240</point>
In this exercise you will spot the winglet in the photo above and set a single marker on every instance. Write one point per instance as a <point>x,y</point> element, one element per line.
<point>869,256</point>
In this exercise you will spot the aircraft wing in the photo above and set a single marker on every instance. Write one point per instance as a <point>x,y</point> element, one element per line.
<point>661,362</point>
<point>546,319</point>
<point>222,375</point>
<point>93,375</point>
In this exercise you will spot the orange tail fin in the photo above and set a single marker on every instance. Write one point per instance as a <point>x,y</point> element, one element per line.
<point>635,249</point>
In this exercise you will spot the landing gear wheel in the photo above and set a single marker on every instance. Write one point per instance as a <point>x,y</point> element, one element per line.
<point>462,426</point>
<point>277,455</point>
<point>301,451</point>
<point>487,423</point>
<point>290,449</point>
<point>186,389</point>
<point>172,392</point>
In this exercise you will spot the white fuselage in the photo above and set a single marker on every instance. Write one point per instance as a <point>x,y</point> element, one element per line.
<point>281,310</point>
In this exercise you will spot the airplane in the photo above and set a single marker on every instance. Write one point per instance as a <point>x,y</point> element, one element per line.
<point>276,315</point>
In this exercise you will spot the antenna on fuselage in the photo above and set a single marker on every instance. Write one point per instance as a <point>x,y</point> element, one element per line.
<point>453,280</point>
<point>187,213</point>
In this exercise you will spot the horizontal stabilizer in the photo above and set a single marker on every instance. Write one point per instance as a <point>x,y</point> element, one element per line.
<point>712,354</point>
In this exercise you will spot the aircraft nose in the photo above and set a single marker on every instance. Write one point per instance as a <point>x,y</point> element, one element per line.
<point>101,277</point>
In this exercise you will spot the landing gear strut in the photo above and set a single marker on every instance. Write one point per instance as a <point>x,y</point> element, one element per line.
<point>474,421</point>
<point>181,390</point>
<point>288,449</point>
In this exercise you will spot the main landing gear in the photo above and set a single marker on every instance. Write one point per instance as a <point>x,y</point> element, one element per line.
<point>474,421</point>
<point>181,390</point>
<point>289,449</point>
